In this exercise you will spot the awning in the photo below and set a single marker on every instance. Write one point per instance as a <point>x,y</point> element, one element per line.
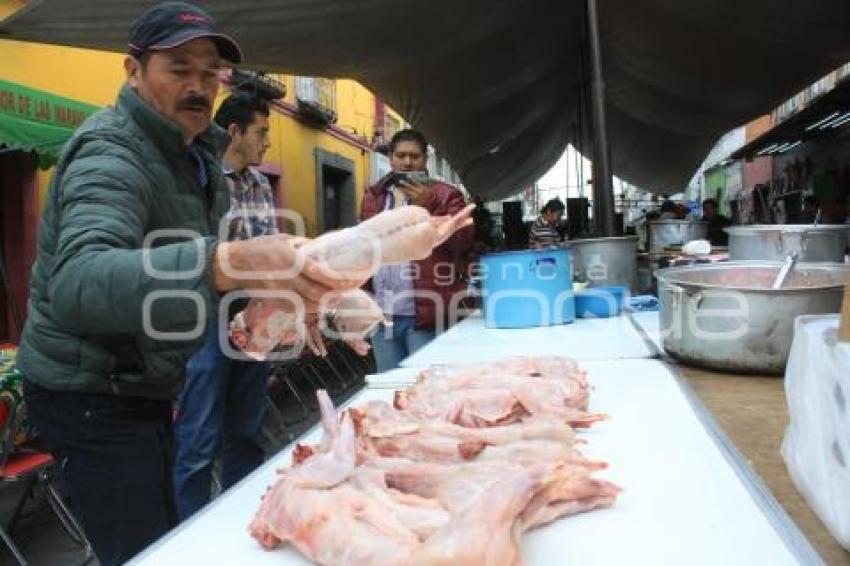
<point>34,120</point>
<point>495,83</point>
<point>826,116</point>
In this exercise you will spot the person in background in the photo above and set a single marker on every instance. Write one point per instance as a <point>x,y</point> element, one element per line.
<point>416,296</point>
<point>220,411</point>
<point>483,225</point>
<point>810,210</point>
<point>668,210</point>
<point>717,236</point>
<point>544,231</point>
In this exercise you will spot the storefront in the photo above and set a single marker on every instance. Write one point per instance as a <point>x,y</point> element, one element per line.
<point>34,125</point>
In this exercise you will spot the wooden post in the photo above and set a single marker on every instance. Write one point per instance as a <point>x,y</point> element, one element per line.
<point>844,325</point>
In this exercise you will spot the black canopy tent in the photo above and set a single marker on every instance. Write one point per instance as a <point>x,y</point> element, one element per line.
<point>495,84</point>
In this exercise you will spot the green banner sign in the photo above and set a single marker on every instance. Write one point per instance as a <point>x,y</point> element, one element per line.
<point>39,121</point>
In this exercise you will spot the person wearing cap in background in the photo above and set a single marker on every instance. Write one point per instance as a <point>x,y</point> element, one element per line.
<point>128,267</point>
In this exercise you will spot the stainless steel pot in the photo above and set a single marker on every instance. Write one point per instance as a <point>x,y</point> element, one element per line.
<point>666,233</point>
<point>726,316</point>
<point>606,261</point>
<point>776,242</point>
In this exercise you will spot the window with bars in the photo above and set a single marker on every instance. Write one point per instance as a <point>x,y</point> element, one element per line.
<point>317,96</point>
<point>391,126</point>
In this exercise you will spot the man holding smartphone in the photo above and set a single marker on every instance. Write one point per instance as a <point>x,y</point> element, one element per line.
<point>417,296</point>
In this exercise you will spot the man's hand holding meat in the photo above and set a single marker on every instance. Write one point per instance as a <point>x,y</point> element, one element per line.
<point>273,263</point>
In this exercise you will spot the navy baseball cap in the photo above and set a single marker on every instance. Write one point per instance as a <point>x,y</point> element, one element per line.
<point>171,24</point>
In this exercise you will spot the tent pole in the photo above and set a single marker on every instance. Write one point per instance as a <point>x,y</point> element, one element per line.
<point>603,187</point>
<point>580,137</point>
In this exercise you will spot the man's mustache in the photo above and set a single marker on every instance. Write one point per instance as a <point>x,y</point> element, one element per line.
<point>195,101</point>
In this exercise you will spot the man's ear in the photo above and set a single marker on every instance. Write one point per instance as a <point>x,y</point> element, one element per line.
<point>233,130</point>
<point>133,69</point>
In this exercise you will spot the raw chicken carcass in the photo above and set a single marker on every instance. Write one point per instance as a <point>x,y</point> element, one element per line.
<point>488,407</point>
<point>315,505</point>
<point>453,477</point>
<point>336,526</point>
<point>388,432</point>
<point>379,419</point>
<point>563,488</point>
<point>564,382</point>
<point>402,234</point>
<point>500,393</point>
<point>487,531</point>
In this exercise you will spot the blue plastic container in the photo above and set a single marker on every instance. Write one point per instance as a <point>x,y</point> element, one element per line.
<point>600,302</point>
<point>528,288</point>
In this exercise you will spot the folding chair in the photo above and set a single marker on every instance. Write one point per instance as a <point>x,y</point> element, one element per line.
<point>325,373</point>
<point>36,469</point>
<point>337,359</point>
<point>283,391</point>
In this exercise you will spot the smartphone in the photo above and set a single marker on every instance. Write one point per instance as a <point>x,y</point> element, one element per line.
<point>409,177</point>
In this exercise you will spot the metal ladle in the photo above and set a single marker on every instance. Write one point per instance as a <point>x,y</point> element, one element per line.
<point>784,271</point>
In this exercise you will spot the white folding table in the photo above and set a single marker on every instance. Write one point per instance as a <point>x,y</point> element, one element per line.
<point>585,339</point>
<point>688,496</point>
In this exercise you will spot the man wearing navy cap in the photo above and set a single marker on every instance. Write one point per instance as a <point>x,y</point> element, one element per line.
<point>128,268</point>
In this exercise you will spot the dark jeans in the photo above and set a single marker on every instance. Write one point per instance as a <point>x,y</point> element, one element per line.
<point>393,344</point>
<point>220,412</point>
<point>114,455</point>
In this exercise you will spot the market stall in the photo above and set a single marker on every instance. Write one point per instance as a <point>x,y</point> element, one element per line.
<point>688,496</point>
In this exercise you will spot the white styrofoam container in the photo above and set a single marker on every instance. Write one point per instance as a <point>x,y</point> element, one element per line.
<point>816,448</point>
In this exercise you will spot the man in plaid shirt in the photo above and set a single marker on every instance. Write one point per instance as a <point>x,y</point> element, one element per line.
<point>252,206</point>
<point>221,408</point>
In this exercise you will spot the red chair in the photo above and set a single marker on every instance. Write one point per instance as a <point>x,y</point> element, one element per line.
<point>37,470</point>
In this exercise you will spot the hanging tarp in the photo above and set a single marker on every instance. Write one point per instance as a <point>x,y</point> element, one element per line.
<point>494,83</point>
<point>34,120</point>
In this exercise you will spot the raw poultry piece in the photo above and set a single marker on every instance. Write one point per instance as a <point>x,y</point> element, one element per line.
<point>321,503</point>
<point>501,393</point>
<point>397,512</point>
<point>336,526</point>
<point>355,316</point>
<point>560,376</point>
<point>380,419</point>
<point>563,488</point>
<point>486,530</point>
<point>489,407</point>
<point>455,477</point>
<point>402,234</point>
<point>385,431</point>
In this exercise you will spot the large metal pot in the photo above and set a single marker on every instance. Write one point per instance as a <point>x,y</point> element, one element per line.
<point>726,316</point>
<point>777,241</point>
<point>666,233</point>
<point>606,261</point>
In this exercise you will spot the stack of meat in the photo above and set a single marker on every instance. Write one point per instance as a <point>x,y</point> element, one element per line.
<point>463,462</point>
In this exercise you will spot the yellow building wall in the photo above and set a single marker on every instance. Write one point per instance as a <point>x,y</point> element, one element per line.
<point>9,7</point>
<point>95,77</point>
<point>294,143</point>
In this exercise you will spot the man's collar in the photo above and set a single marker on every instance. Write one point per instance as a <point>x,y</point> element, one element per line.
<point>248,172</point>
<point>164,131</point>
